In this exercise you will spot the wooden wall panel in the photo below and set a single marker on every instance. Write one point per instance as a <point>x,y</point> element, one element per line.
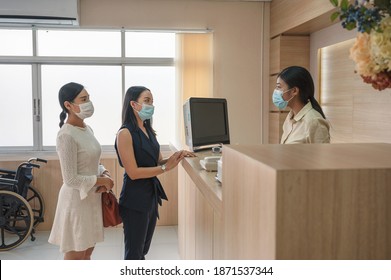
<point>276,119</point>
<point>349,226</point>
<point>190,224</point>
<point>218,237</point>
<point>340,119</point>
<point>204,228</point>
<point>289,14</point>
<point>200,224</point>
<point>275,55</point>
<point>182,211</point>
<point>249,208</point>
<point>356,111</point>
<point>284,51</point>
<point>169,210</point>
<point>10,165</point>
<point>287,51</point>
<point>48,181</point>
<point>313,25</point>
<point>371,117</point>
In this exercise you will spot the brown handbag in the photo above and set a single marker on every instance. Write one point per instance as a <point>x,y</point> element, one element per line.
<point>110,210</point>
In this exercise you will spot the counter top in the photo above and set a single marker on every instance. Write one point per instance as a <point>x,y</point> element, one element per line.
<point>319,156</point>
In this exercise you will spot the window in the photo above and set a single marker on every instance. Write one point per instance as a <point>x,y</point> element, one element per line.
<point>16,42</point>
<point>79,43</point>
<point>93,58</point>
<point>105,94</point>
<point>161,82</point>
<point>16,123</point>
<point>141,44</point>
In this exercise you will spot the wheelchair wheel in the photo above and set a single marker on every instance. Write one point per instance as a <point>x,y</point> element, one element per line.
<point>37,205</point>
<point>16,220</point>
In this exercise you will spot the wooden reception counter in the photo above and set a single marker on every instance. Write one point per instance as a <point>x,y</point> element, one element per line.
<point>199,211</point>
<point>319,201</point>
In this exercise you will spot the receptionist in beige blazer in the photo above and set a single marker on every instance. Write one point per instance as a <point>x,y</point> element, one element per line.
<point>306,122</point>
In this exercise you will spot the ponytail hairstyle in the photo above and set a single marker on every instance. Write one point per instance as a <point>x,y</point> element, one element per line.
<point>296,76</point>
<point>129,119</point>
<point>67,92</point>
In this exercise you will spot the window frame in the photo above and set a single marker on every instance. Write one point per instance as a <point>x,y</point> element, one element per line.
<point>37,61</point>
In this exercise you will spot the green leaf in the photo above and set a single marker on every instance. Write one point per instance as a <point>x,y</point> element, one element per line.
<point>351,26</point>
<point>334,3</point>
<point>344,5</point>
<point>334,16</point>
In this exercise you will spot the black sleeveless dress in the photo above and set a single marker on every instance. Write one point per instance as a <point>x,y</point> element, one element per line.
<point>142,194</point>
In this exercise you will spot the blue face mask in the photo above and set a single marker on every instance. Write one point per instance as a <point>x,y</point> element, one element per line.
<point>146,112</point>
<point>278,101</point>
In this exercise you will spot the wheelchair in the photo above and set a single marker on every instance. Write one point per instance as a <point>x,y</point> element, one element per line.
<point>21,205</point>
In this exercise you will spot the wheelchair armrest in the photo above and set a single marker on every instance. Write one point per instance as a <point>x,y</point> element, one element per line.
<point>8,181</point>
<point>8,185</point>
<point>8,172</point>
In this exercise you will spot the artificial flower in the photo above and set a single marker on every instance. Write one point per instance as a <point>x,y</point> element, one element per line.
<point>372,49</point>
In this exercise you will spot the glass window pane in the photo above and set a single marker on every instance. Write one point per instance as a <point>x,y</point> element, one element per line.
<point>16,42</point>
<point>161,82</point>
<point>79,43</point>
<point>103,83</point>
<point>16,116</point>
<point>147,44</point>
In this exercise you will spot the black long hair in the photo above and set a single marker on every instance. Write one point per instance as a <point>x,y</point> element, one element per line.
<point>128,117</point>
<point>68,92</point>
<point>296,76</point>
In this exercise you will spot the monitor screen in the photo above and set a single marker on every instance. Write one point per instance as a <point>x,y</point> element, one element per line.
<point>206,122</point>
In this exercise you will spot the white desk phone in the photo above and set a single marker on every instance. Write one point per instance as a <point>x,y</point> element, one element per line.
<point>210,163</point>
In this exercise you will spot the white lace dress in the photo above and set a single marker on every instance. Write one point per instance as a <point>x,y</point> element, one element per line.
<point>78,222</point>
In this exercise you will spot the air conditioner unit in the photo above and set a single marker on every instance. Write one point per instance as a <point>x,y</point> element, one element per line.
<point>39,13</point>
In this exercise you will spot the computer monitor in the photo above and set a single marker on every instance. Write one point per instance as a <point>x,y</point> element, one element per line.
<point>206,122</point>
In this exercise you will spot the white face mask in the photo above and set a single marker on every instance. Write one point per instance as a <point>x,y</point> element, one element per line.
<point>86,110</point>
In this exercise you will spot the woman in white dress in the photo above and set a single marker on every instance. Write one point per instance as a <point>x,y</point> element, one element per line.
<point>78,224</point>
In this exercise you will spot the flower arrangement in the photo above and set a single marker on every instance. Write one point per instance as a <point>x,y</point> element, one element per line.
<point>372,50</point>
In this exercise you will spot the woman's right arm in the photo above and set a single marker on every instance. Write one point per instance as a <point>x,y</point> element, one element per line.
<point>128,159</point>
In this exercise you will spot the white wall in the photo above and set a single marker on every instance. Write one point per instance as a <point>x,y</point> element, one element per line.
<point>238,32</point>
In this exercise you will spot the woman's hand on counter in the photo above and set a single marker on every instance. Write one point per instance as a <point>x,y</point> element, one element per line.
<point>188,153</point>
<point>174,160</point>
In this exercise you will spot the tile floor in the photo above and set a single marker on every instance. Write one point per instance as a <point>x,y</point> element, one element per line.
<point>164,247</point>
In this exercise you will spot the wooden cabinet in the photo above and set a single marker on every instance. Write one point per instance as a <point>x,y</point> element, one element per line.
<point>276,119</point>
<point>284,51</point>
<point>282,202</point>
<point>317,201</point>
<point>204,217</point>
<point>291,23</point>
<point>186,215</point>
<point>299,16</point>
<point>287,50</point>
<point>199,222</point>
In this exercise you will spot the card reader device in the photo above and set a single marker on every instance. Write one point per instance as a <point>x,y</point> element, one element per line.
<point>210,163</point>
